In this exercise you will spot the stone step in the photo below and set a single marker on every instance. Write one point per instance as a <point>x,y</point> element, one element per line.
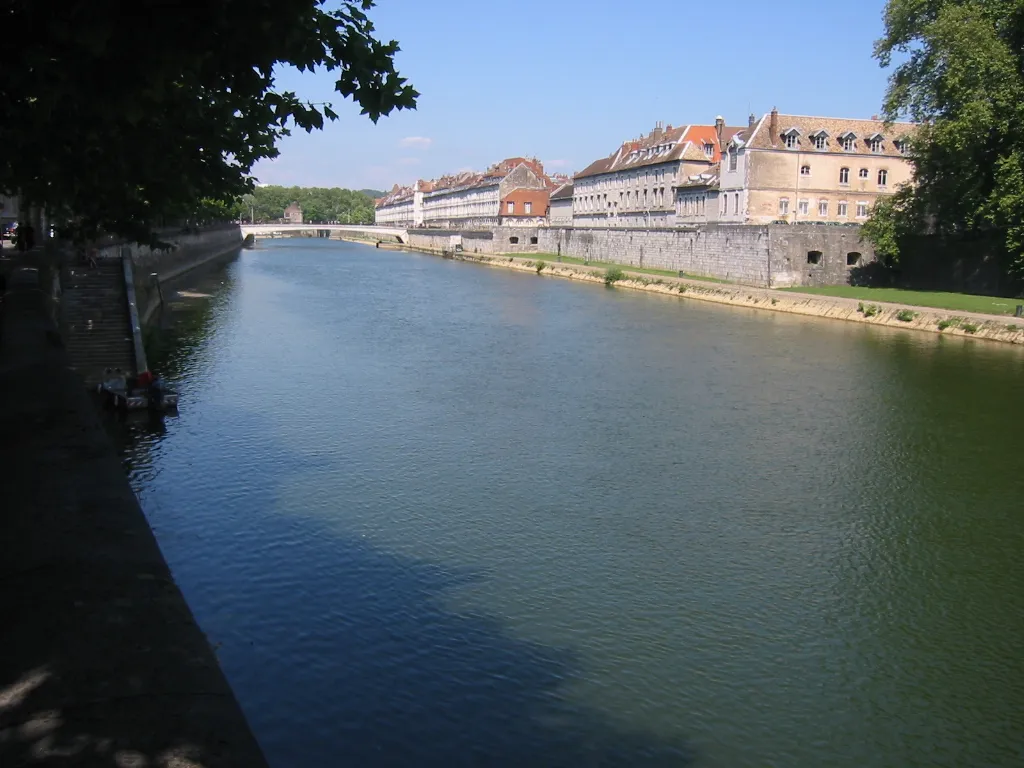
<point>95,318</point>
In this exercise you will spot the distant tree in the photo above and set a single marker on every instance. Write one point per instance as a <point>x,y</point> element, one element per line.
<point>319,204</point>
<point>119,126</point>
<point>961,73</point>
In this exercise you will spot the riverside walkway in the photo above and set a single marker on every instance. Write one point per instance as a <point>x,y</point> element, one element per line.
<point>101,661</point>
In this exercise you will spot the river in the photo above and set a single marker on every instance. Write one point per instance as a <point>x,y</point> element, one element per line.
<point>434,513</point>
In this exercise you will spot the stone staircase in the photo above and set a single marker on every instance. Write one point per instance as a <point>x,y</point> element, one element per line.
<point>95,320</point>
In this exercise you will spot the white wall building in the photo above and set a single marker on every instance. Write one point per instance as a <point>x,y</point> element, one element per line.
<point>634,186</point>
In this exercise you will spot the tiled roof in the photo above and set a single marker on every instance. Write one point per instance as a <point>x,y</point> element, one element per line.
<point>395,196</point>
<point>663,146</point>
<point>596,167</point>
<point>489,178</point>
<point>707,179</point>
<point>833,128</point>
<point>563,192</point>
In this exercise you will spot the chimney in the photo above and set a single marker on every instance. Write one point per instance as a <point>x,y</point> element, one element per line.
<point>719,129</point>
<point>751,120</point>
<point>773,127</point>
<point>656,133</point>
<point>874,117</point>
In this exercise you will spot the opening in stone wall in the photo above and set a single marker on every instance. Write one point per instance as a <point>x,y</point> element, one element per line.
<point>514,240</point>
<point>533,241</point>
<point>814,257</point>
<point>852,259</point>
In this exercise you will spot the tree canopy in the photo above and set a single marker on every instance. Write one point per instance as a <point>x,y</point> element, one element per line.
<point>319,204</point>
<point>961,74</point>
<point>121,114</point>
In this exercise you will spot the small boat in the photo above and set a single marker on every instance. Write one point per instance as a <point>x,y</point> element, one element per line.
<point>117,393</point>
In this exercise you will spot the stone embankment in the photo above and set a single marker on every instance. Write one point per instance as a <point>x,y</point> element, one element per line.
<point>949,323</point>
<point>102,661</point>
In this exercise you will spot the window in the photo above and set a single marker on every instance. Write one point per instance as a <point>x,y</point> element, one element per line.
<point>533,241</point>
<point>820,141</point>
<point>732,159</point>
<point>791,141</point>
<point>823,207</point>
<point>709,150</point>
<point>529,207</point>
<point>883,177</point>
<point>849,143</point>
<point>814,257</point>
<point>783,206</point>
<point>736,203</point>
<point>901,146</point>
<point>844,175</point>
<point>514,240</point>
<point>876,145</point>
<point>803,207</point>
<point>852,259</point>
<point>805,170</point>
<point>510,207</point>
<point>841,209</point>
<point>862,210</point>
<point>863,173</point>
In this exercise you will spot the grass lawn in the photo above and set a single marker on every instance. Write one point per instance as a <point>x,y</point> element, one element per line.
<point>552,258</point>
<point>955,302</point>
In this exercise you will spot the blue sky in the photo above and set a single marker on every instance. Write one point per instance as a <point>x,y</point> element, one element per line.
<point>567,80</point>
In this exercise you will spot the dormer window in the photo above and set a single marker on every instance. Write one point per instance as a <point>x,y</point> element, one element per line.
<point>901,146</point>
<point>820,139</point>
<point>875,143</point>
<point>848,141</point>
<point>791,136</point>
<point>709,150</point>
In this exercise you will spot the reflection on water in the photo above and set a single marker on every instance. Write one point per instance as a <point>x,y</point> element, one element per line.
<point>434,513</point>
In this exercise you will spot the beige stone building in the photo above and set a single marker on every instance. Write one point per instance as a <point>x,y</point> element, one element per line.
<point>402,206</point>
<point>514,191</point>
<point>794,168</point>
<point>635,186</point>
<point>293,214</point>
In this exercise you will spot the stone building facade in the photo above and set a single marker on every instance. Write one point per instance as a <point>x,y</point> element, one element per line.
<point>293,214</point>
<point>796,169</point>
<point>514,190</point>
<point>560,205</point>
<point>402,206</point>
<point>634,185</point>
<point>696,197</point>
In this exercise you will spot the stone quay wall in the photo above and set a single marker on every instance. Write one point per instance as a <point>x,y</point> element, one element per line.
<point>772,255</point>
<point>189,251</point>
<point>775,255</point>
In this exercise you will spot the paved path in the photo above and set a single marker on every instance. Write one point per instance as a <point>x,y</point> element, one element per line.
<point>101,661</point>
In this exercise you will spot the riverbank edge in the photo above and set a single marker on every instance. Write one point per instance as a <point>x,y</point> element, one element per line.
<point>1007,330</point>
<point>103,659</point>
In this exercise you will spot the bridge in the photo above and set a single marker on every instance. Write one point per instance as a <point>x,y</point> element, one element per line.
<point>279,229</point>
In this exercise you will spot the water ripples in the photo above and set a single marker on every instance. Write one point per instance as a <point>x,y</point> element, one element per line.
<point>440,514</point>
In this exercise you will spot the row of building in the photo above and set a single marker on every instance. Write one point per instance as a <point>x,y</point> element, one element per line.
<point>777,168</point>
<point>514,191</point>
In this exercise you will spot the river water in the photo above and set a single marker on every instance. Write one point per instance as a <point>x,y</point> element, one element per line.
<point>433,513</point>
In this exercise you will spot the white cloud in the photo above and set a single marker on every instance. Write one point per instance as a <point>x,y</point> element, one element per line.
<point>556,163</point>
<point>408,161</point>
<point>419,142</point>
